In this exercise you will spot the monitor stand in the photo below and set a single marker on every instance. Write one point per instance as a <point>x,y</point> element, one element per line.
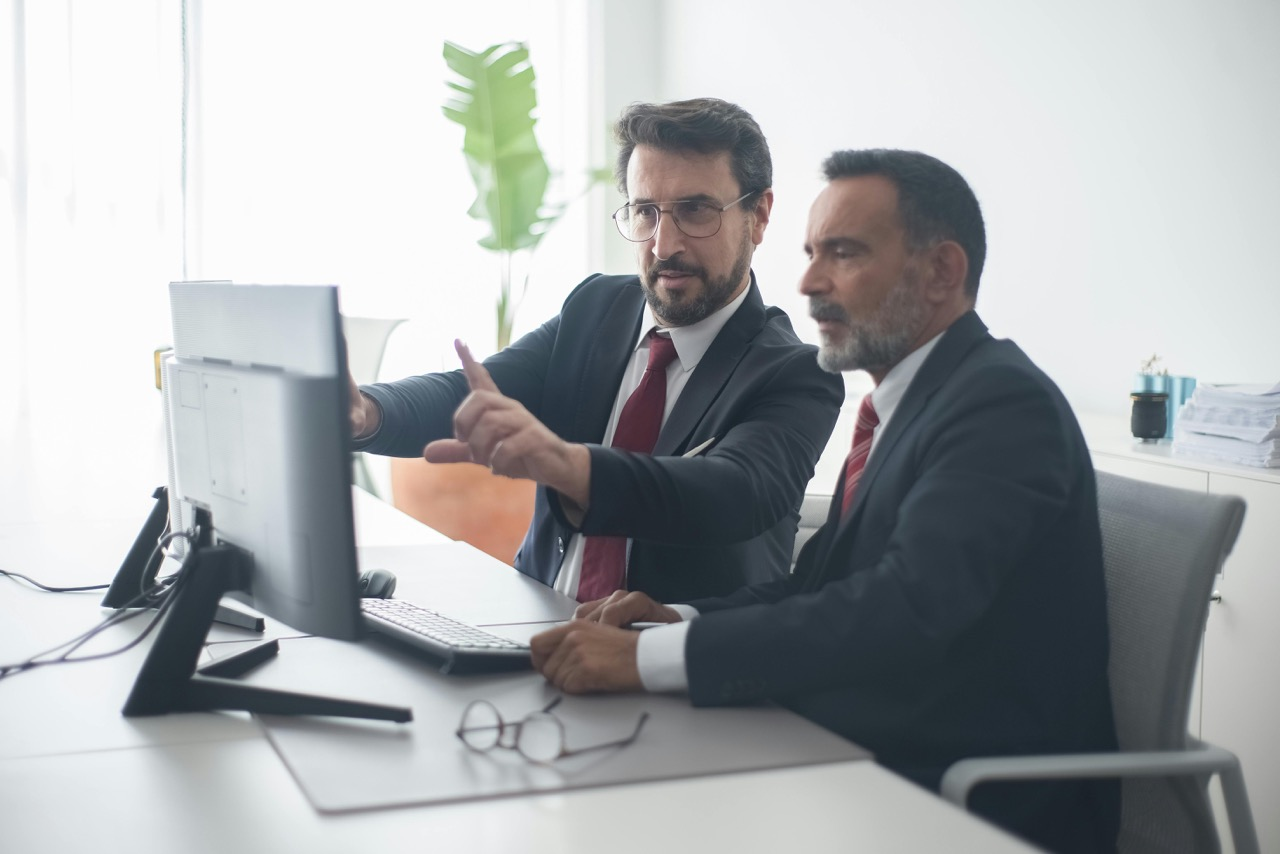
<point>138,570</point>
<point>168,681</point>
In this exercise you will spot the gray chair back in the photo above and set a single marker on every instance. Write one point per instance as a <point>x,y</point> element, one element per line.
<point>1162,548</point>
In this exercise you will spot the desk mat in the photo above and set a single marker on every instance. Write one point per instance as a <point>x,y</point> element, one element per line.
<point>345,765</point>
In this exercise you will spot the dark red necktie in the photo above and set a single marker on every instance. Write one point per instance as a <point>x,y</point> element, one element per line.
<point>863,429</point>
<point>604,559</point>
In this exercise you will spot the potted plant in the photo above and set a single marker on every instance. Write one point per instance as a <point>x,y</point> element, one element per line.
<point>493,97</point>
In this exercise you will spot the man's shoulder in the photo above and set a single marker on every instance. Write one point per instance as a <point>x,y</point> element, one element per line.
<point>1001,361</point>
<point>601,284</point>
<point>998,383</point>
<point>969,354</point>
<point>600,294</point>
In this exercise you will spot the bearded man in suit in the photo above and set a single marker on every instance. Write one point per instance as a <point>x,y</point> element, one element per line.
<point>736,419</point>
<point>953,604</point>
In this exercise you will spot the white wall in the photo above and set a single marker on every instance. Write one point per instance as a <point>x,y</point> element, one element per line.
<point>1127,156</point>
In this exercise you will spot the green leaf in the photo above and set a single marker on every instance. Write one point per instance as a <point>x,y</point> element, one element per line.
<point>493,98</point>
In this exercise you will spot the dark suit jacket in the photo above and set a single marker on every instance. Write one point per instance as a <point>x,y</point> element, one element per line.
<point>701,526</point>
<point>960,609</point>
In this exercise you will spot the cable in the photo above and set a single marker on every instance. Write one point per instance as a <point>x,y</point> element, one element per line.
<point>75,643</point>
<point>49,589</point>
<point>164,541</point>
<point>208,644</point>
<point>158,592</point>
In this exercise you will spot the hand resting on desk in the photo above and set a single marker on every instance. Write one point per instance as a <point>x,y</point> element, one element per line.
<point>581,657</point>
<point>623,607</point>
<point>591,654</point>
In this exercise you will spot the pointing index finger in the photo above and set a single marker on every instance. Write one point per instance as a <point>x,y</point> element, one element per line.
<point>477,377</point>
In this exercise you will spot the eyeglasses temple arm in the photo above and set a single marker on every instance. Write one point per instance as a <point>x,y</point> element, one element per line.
<point>644,716</point>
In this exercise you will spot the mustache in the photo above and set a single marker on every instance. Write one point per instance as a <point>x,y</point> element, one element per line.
<point>674,265</point>
<point>827,311</point>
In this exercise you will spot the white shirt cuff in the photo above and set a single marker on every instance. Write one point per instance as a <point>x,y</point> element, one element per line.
<point>686,612</point>
<point>660,654</point>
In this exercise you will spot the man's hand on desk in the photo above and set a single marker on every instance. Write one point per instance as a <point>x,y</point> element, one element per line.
<point>623,607</point>
<point>498,432</point>
<point>591,654</point>
<point>587,658</point>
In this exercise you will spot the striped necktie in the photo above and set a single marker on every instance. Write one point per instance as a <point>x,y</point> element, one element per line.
<point>863,429</point>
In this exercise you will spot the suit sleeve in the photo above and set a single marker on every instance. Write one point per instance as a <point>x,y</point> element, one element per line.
<point>968,505</point>
<point>417,410</point>
<point>744,485</point>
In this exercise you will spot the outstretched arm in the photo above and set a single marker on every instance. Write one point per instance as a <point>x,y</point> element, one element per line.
<point>498,432</point>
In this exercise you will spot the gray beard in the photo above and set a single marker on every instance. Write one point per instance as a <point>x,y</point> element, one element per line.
<point>686,311</point>
<point>879,342</point>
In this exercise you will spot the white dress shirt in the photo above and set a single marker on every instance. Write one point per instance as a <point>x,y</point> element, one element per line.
<point>660,650</point>
<point>691,343</point>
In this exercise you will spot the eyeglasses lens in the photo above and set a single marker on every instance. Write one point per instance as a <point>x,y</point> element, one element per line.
<point>481,726</point>
<point>638,223</point>
<point>541,737</point>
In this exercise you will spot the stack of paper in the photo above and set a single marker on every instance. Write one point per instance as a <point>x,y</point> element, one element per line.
<point>1231,423</point>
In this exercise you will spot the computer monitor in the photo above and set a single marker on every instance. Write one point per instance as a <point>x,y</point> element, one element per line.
<point>259,449</point>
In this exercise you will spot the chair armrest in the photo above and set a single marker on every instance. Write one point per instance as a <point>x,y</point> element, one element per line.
<point>1199,758</point>
<point>961,777</point>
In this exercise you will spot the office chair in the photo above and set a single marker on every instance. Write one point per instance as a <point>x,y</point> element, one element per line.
<point>1162,548</point>
<point>366,343</point>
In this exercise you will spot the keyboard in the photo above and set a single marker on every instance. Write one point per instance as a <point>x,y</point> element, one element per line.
<point>462,647</point>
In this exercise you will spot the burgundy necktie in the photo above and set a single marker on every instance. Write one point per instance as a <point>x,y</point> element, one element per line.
<point>863,429</point>
<point>604,559</point>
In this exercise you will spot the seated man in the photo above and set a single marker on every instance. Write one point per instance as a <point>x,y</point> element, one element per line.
<point>953,604</point>
<point>709,503</point>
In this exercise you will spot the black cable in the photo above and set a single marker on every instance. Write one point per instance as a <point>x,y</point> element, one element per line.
<point>161,543</point>
<point>49,589</point>
<point>157,593</point>
<point>75,643</point>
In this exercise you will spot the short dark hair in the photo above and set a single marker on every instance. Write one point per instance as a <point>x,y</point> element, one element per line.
<point>934,201</point>
<point>704,125</point>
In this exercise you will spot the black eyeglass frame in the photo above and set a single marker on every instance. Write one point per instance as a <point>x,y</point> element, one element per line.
<point>624,228</point>
<point>513,742</point>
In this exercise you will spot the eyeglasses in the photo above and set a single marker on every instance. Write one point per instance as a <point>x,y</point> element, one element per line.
<point>538,737</point>
<point>694,218</point>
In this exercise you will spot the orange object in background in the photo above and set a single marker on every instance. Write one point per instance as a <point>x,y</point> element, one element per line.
<point>465,501</point>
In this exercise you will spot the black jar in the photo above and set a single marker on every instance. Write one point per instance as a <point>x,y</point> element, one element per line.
<point>1149,420</point>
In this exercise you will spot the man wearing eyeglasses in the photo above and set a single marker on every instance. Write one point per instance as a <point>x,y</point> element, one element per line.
<point>672,419</point>
<point>953,604</point>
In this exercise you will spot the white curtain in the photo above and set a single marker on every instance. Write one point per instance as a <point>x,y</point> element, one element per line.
<point>90,235</point>
<point>320,154</point>
<point>307,144</point>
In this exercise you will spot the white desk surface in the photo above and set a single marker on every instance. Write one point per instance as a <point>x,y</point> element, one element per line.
<point>1110,435</point>
<point>77,776</point>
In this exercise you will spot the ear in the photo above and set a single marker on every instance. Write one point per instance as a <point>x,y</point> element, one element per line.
<point>947,266</point>
<point>760,216</point>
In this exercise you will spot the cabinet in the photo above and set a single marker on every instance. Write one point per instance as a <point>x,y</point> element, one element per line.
<point>1237,700</point>
<point>1240,700</point>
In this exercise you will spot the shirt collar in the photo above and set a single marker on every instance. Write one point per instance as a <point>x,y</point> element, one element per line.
<point>693,341</point>
<point>888,394</point>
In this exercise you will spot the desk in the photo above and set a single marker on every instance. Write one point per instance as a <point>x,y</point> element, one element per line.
<point>76,776</point>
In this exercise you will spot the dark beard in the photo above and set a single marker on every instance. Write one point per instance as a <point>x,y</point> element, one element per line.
<point>686,310</point>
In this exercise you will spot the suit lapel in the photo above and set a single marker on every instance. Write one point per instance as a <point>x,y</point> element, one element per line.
<point>830,559</point>
<point>612,344</point>
<point>713,371</point>
<point>950,351</point>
